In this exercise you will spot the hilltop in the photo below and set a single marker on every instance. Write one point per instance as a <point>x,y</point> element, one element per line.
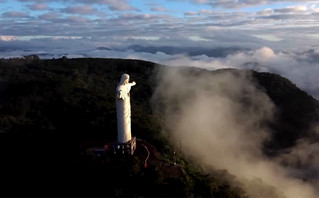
<point>52,110</point>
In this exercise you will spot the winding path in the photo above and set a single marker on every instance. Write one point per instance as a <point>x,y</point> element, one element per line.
<point>148,155</point>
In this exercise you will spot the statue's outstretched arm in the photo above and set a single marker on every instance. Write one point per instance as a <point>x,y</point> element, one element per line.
<point>132,83</point>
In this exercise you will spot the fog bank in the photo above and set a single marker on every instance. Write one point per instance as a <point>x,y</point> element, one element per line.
<point>221,120</point>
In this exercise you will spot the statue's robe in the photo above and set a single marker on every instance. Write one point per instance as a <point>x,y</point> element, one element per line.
<point>123,110</point>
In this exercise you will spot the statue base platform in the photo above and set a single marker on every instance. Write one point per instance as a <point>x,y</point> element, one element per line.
<point>127,148</point>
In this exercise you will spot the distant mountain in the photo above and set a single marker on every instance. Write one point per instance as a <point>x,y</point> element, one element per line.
<point>103,48</point>
<point>49,109</point>
<point>191,51</point>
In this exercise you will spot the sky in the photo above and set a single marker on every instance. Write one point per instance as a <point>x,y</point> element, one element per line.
<point>265,35</point>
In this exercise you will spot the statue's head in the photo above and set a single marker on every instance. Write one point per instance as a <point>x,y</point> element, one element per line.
<point>125,78</point>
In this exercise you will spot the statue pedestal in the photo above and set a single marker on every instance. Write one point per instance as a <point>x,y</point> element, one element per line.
<point>127,148</point>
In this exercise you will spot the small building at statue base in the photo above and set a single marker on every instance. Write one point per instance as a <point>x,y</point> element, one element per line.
<point>127,148</point>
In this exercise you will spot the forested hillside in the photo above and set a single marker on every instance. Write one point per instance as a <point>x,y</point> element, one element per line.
<point>49,108</point>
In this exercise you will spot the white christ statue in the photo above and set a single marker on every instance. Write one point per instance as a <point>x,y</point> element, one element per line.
<point>123,109</point>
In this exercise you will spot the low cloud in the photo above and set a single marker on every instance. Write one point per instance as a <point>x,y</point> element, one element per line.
<point>119,5</point>
<point>7,38</point>
<point>220,120</point>
<point>50,16</point>
<point>15,14</point>
<point>83,9</point>
<point>242,3</point>
<point>303,160</point>
<point>301,67</point>
<point>38,6</point>
<point>292,9</point>
<point>159,9</point>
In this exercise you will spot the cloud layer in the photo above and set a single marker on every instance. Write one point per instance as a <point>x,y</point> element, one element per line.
<point>291,25</point>
<point>301,68</point>
<point>203,33</point>
<point>223,128</point>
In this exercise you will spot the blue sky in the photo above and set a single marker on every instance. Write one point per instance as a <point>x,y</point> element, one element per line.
<point>188,19</point>
<point>267,35</point>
